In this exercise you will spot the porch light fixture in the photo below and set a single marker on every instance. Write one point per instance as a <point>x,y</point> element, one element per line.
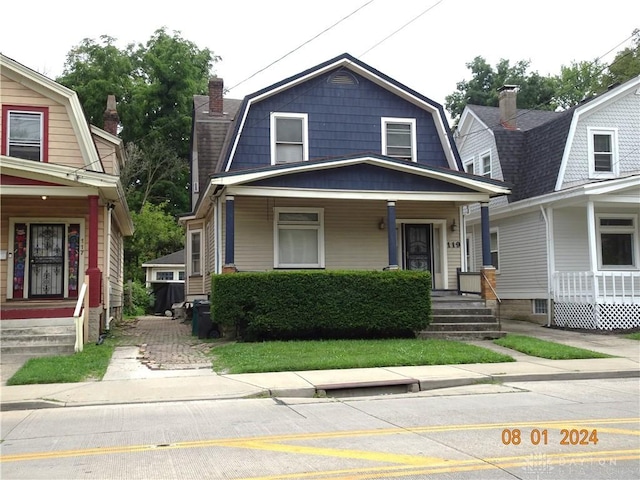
<point>454,227</point>
<point>381,225</point>
<point>44,197</point>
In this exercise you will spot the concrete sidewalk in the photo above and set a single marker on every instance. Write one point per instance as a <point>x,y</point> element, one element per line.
<point>129,380</point>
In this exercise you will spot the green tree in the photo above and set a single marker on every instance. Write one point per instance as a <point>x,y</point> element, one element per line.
<point>156,234</point>
<point>576,82</point>
<point>154,84</point>
<point>535,91</point>
<point>626,64</point>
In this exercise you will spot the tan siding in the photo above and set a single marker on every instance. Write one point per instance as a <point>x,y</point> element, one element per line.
<point>115,266</point>
<point>209,253</point>
<point>107,154</point>
<point>63,144</point>
<point>353,239</point>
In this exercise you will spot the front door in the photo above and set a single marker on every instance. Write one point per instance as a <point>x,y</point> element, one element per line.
<point>418,247</point>
<point>46,264</point>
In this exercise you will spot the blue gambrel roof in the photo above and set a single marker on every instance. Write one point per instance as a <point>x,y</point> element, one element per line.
<point>435,128</point>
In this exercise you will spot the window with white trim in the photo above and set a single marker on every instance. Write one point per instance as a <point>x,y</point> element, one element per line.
<point>539,306</point>
<point>289,137</point>
<point>469,166</point>
<point>195,252</point>
<point>603,152</point>
<point>181,275</point>
<point>485,164</point>
<point>399,138</point>
<point>617,240</point>
<point>299,237</point>
<point>166,276</point>
<point>25,133</point>
<point>495,248</point>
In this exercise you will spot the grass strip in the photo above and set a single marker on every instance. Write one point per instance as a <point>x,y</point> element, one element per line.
<point>633,336</point>
<point>339,354</point>
<point>90,364</point>
<point>545,349</point>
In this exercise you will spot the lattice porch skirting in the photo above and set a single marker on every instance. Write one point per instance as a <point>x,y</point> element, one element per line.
<point>597,316</point>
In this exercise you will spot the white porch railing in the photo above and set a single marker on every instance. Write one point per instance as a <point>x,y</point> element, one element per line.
<point>597,300</point>
<point>80,315</point>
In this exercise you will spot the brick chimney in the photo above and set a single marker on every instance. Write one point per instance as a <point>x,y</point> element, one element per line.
<point>508,110</point>
<point>216,87</point>
<point>111,118</point>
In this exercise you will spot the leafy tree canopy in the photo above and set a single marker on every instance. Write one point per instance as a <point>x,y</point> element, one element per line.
<point>156,234</point>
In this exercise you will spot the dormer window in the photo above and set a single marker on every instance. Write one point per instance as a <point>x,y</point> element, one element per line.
<point>25,132</point>
<point>399,138</point>
<point>289,136</point>
<point>602,153</point>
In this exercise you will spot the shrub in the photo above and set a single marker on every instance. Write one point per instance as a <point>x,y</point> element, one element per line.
<point>137,300</point>
<point>322,305</point>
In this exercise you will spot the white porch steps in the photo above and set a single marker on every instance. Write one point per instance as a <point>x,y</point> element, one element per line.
<point>37,337</point>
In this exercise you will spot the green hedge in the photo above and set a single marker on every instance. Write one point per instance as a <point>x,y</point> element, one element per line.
<point>322,305</point>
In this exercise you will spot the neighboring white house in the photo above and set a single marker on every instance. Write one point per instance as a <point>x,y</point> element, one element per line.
<point>165,277</point>
<point>566,243</point>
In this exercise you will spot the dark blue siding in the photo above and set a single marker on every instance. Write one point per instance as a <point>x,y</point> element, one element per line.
<point>343,120</point>
<point>361,177</point>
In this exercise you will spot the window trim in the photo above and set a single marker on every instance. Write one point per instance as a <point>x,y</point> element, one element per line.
<point>305,134</point>
<point>191,272</point>
<point>539,306</point>
<point>633,230</point>
<point>319,228</point>
<point>467,162</point>
<point>44,128</point>
<point>482,171</point>
<point>613,133</point>
<point>383,134</point>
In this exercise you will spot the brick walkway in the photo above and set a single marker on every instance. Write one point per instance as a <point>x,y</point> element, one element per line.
<point>165,343</point>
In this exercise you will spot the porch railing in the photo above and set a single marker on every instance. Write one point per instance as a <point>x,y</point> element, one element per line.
<point>468,282</point>
<point>80,315</point>
<point>597,300</point>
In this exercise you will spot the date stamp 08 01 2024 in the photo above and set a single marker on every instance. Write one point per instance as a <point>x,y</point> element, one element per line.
<point>568,436</point>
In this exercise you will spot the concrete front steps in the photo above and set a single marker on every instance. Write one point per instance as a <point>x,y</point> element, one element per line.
<point>457,317</point>
<point>38,337</point>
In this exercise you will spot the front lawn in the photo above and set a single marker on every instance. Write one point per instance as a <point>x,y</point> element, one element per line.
<point>544,349</point>
<point>339,354</point>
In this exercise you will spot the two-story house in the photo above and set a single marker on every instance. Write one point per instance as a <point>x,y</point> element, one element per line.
<point>337,167</point>
<point>64,214</point>
<point>566,243</point>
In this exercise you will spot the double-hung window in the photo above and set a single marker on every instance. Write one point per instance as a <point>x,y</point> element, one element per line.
<point>299,238</point>
<point>603,161</point>
<point>469,166</point>
<point>24,132</point>
<point>495,249</point>
<point>485,164</point>
<point>289,137</point>
<point>617,240</point>
<point>399,138</point>
<point>195,252</point>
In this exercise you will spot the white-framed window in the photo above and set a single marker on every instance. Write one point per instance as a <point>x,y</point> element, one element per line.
<point>603,152</point>
<point>469,166</point>
<point>298,237</point>
<point>485,164</point>
<point>25,133</point>
<point>495,249</point>
<point>195,252</point>
<point>181,275</point>
<point>399,138</point>
<point>616,241</point>
<point>166,276</point>
<point>289,137</point>
<point>539,306</point>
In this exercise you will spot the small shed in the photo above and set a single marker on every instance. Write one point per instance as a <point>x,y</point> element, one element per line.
<point>165,278</point>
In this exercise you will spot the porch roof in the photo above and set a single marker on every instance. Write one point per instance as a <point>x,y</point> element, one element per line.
<point>367,176</point>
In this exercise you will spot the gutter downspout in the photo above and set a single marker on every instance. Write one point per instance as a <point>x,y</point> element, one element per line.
<point>549,280</point>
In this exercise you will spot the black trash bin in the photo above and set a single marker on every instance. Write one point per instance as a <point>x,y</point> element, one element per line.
<point>205,327</point>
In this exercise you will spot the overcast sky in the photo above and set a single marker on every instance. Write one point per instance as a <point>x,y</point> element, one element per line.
<point>428,55</point>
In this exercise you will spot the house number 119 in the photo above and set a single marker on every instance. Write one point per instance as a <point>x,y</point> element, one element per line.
<point>453,244</point>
